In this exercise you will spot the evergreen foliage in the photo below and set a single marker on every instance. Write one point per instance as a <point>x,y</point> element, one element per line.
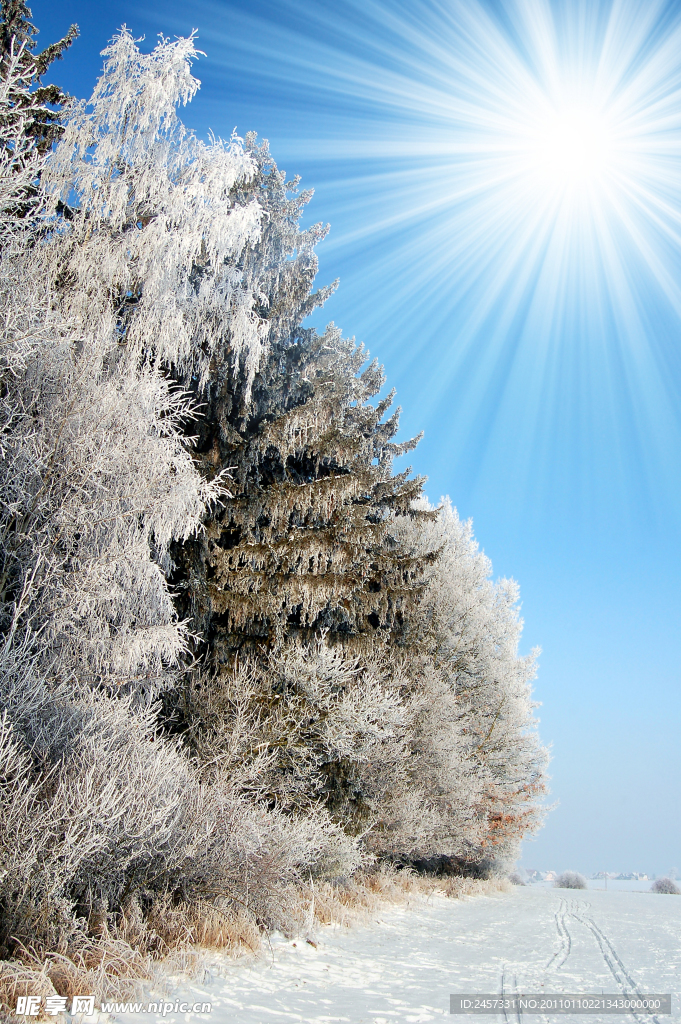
<point>38,107</point>
<point>37,101</point>
<point>304,542</point>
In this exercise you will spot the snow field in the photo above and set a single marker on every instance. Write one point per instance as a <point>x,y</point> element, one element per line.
<point>403,966</point>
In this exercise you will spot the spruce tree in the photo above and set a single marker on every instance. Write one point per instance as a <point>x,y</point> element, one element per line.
<point>43,102</point>
<point>28,105</point>
<point>303,543</point>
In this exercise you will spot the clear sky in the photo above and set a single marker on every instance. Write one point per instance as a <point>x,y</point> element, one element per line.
<point>503,184</point>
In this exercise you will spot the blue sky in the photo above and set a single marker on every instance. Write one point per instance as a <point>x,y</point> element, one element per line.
<point>526,304</point>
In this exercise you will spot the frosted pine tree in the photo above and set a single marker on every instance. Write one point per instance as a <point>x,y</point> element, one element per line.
<point>34,99</point>
<point>303,547</point>
<point>303,543</point>
<point>38,106</point>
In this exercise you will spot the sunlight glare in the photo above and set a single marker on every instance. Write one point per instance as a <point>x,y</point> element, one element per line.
<point>573,147</point>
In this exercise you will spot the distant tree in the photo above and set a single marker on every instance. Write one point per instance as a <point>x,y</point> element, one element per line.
<point>665,885</point>
<point>570,880</point>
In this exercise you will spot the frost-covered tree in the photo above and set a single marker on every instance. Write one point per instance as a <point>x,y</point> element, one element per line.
<point>142,278</point>
<point>154,247</point>
<point>665,885</point>
<point>304,542</point>
<point>187,473</point>
<point>570,880</point>
<point>470,628</point>
<point>27,102</point>
<point>20,160</point>
<point>96,481</point>
<point>97,476</point>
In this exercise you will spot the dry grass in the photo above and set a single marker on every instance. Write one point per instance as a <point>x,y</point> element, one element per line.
<point>138,948</point>
<point>363,896</point>
<point>17,979</point>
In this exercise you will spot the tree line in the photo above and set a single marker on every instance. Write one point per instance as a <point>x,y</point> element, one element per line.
<point>239,649</point>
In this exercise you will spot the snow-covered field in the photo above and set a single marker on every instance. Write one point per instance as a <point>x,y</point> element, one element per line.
<point>404,965</point>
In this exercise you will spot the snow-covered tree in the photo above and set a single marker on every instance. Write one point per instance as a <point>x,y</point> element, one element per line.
<point>97,481</point>
<point>30,112</point>
<point>304,542</point>
<point>153,252</point>
<point>570,880</point>
<point>187,472</point>
<point>470,627</point>
<point>97,476</point>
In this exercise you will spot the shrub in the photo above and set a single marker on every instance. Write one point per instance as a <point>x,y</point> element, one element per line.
<point>515,878</point>
<point>570,880</point>
<point>666,885</point>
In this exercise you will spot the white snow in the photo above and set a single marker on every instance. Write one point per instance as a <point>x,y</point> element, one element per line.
<point>404,966</point>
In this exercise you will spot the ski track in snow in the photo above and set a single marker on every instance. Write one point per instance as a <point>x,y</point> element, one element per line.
<point>403,966</point>
<point>559,958</point>
<point>619,972</point>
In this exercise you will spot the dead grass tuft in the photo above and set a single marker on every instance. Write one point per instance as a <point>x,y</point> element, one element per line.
<point>17,979</point>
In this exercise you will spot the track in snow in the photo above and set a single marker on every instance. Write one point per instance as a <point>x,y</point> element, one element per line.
<point>559,958</point>
<point>612,958</point>
<point>509,988</point>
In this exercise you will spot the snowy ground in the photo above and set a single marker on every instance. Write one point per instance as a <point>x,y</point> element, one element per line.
<point>403,967</point>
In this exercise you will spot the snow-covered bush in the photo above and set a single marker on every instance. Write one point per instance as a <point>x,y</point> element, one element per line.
<point>307,728</point>
<point>570,880</point>
<point>96,806</point>
<point>515,878</point>
<point>665,885</point>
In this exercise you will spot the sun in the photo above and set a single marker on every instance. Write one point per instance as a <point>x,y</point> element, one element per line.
<point>573,147</point>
